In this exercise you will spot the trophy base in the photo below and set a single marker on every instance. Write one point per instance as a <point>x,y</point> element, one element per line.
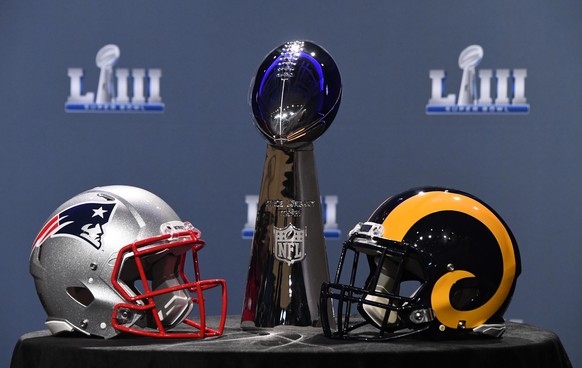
<point>288,257</point>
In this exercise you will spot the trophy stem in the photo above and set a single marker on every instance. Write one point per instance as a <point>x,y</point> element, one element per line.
<point>288,260</point>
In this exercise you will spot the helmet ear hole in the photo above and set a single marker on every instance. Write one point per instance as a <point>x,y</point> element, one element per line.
<point>81,295</point>
<point>466,294</point>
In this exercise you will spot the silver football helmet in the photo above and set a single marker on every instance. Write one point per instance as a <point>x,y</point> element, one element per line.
<point>112,260</point>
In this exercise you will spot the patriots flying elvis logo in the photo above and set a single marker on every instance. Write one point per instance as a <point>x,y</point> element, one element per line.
<point>84,221</point>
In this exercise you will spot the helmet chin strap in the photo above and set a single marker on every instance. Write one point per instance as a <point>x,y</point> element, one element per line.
<point>377,314</point>
<point>385,283</point>
<point>172,307</point>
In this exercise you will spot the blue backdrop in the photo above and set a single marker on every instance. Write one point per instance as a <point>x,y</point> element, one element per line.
<point>203,155</point>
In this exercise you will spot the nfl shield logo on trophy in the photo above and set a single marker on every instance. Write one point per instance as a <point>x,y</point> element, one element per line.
<point>289,244</point>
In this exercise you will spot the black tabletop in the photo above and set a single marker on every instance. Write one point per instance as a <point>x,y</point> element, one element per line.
<point>289,346</point>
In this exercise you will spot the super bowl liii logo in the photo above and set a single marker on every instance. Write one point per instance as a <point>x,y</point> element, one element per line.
<point>118,90</point>
<point>328,204</point>
<point>475,92</point>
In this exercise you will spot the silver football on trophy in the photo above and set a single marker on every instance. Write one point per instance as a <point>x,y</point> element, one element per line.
<point>295,94</point>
